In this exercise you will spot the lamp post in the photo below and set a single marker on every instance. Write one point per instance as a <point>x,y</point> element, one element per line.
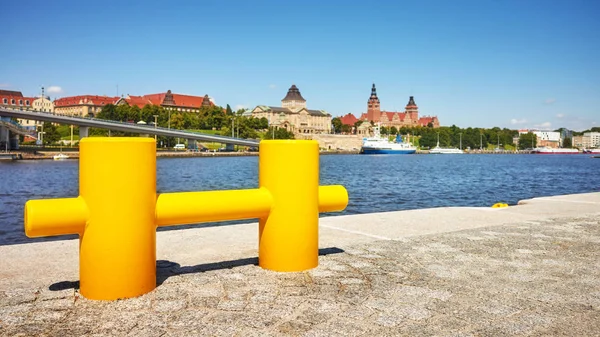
<point>155,120</point>
<point>41,135</point>
<point>480,142</point>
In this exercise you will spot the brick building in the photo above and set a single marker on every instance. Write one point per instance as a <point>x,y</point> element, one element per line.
<point>82,106</point>
<point>409,117</point>
<point>169,100</point>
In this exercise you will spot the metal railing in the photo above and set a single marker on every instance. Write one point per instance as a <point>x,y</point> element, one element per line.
<point>122,126</point>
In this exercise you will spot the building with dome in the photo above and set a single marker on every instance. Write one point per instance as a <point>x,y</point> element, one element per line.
<point>294,116</point>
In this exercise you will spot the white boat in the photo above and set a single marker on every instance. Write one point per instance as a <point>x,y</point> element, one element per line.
<point>382,145</point>
<point>592,151</point>
<point>444,150</point>
<point>60,156</point>
<point>551,150</point>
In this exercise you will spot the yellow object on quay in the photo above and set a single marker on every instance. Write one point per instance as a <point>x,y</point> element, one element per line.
<point>118,211</point>
<point>499,205</point>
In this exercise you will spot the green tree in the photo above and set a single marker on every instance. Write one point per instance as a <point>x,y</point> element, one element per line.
<point>264,123</point>
<point>356,125</point>
<point>527,140</point>
<point>135,114</point>
<point>149,110</point>
<point>337,124</point>
<point>428,138</point>
<point>177,121</point>
<point>51,134</point>
<point>108,112</point>
<point>122,112</point>
<point>568,142</point>
<point>228,111</point>
<point>346,128</point>
<point>279,133</point>
<point>393,130</point>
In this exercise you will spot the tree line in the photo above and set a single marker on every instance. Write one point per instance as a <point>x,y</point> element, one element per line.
<point>451,136</point>
<point>213,118</point>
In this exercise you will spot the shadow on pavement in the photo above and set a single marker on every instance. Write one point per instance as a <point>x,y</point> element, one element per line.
<point>166,269</point>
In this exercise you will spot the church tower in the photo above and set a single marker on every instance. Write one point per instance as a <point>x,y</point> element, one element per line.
<point>373,110</point>
<point>412,110</point>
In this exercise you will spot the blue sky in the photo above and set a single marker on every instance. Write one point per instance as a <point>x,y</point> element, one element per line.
<point>478,63</point>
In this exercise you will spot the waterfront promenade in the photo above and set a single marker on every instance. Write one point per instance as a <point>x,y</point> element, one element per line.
<point>526,270</point>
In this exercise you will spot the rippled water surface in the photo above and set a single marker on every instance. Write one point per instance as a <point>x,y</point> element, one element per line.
<point>374,183</point>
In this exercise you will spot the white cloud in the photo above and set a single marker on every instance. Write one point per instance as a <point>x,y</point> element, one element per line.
<point>545,125</point>
<point>239,106</point>
<point>54,89</point>
<point>515,121</point>
<point>272,86</point>
<point>4,85</point>
<point>560,115</point>
<point>550,101</point>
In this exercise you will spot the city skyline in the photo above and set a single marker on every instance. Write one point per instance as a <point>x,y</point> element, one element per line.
<point>472,64</point>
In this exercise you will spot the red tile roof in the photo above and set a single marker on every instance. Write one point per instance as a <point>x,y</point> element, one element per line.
<point>428,119</point>
<point>390,115</point>
<point>7,97</point>
<point>11,93</point>
<point>186,101</point>
<point>84,100</point>
<point>140,101</point>
<point>155,99</point>
<point>349,119</point>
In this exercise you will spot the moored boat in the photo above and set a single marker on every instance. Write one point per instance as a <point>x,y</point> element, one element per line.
<point>443,150</point>
<point>592,151</point>
<point>60,156</point>
<point>382,145</point>
<point>550,150</point>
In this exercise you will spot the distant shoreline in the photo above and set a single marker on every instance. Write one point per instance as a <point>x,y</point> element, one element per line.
<point>49,155</point>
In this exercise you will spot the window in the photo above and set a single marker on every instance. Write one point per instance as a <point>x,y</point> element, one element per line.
<point>27,102</point>
<point>20,102</point>
<point>5,101</point>
<point>12,101</point>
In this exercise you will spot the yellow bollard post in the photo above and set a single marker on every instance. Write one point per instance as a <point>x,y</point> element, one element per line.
<point>118,210</point>
<point>117,250</point>
<point>288,236</point>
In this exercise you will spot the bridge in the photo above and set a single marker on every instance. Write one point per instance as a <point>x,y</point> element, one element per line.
<point>85,123</point>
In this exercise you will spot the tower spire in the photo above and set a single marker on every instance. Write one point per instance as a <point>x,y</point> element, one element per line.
<point>373,110</point>
<point>374,94</point>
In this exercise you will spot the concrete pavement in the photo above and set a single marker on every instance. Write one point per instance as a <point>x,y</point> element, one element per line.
<point>530,269</point>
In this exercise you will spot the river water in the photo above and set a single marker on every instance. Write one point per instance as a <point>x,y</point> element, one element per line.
<point>374,183</point>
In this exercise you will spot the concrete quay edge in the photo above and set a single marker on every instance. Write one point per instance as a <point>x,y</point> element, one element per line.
<point>435,260</point>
